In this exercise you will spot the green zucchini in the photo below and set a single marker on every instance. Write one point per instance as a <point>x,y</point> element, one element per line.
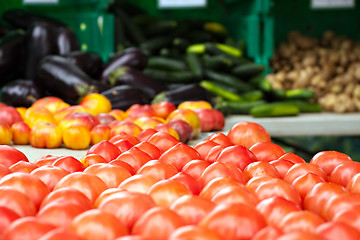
<point>212,49</point>
<point>229,49</point>
<point>166,63</point>
<point>306,107</point>
<point>216,62</point>
<point>195,64</point>
<point>198,48</point>
<point>228,79</point>
<point>248,70</point>
<point>227,107</point>
<point>180,43</point>
<point>153,45</point>
<point>261,83</point>
<point>160,27</point>
<point>221,92</point>
<point>276,109</point>
<point>166,76</point>
<point>254,95</point>
<point>275,95</point>
<point>300,93</point>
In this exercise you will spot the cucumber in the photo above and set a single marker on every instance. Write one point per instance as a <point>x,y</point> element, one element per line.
<point>198,48</point>
<point>180,43</point>
<point>254,95</point>
<point>160,27</point>
<point>229,49</point>
<point>248,70</point>
<point>212,49</point>
<point>132,29</point>
<point>261,83</point>
<point>215,28</point>
<point>276,95</point>
<point>300,93</point>
<point>166,63</point>
<point>276,109</point>
<point>228,79</point>
<point>221,92</point>
<point>166,76</point>
<point>195,64</point>
<point>217,62</point>
<point>152,45</point>
<point>227,107</point>
<point>306,107</point>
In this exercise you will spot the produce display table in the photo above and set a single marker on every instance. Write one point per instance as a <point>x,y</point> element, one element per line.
<point>310,124</point>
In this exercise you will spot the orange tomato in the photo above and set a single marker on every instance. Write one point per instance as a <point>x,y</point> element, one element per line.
<point>97,103</point>
<point>76,137</point>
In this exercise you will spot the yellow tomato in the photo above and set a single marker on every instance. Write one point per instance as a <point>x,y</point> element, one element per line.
<point>166,128</point>
<point>20,132</point>
<point>76,137</point>
<point>147,122</point>
<point>45,135</point>
<point>97,103</point>
<point>195,105</point>
<point>59,115</point>
<point>188,116</point>
<point>22,111</point>
<point>34,116</point>
<point>118,114</point>
<point>5,134</point>
<point>51,103</point>
<point>100,133</point>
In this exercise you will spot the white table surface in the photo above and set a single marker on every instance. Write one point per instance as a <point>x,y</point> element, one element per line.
<point>323,124</point>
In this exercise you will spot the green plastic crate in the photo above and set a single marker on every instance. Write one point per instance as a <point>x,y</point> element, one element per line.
<point>283,16</point>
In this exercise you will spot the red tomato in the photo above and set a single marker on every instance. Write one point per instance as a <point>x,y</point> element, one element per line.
<point>28,184</point>
<point>69,163</point>
<point>10,155</point>
<point>267,151</point>
<point>247,134</point>
<point>67,195</point>
<point>337,230</point>
<point>235,194</point>
<point>131,237</point>
<point>146,134</point>
<point>296,221</point>
<point>126,126</point>
<point>299,169</point>
<point>275,208</point>
<point>194,232</point>
<point>204,147</point>
<point>267,233</point>
<point>105,194</point>
<point>138,110</point>
<point>17,201</point>
<point>46,160</point>
<point>157,223</point>
<point>128,207</point>
<point>341,202</point>
<point>7,216</point>
<point>179,155</point>
<point>210,119</point>
<point>260,168</point>
<point>88,184</point>
<point>317,197</point>
<point>344,172</point>
<point>292,157</point>
<point>123,164</point>
<point>354,184</point>
<point>9,115</point>
<point>123,144</point>
<point>192,208</point>
<point>218,169</point>
<point>4,170</point>
<point>150,149</point>
<point>163,141</point>
<point>220,138</point>
<point>299,236</point>
<point>30,228</point>
<point>282,166</point>
<point>91,159</point>
<point>106,149</point>
<point>165,192</point>
<point>158,170</point>
<point>235,221</point>
<point>111,175</point>
<point>96,224</point>
<point>163,109</point>
<point>278,187</point>
<point>59,214</point>
<point>191,183</point>
<point>135,157</point>
<point>238,155</point>
<point>214,153</point>
<point>254,182</point>
<point>50,175</point>
<point>350,216</point>
<point>328,160</point>
<point>304,183</point>
<point>60,234</point>
<point>20,133</point>
<point>215,185</point>
<point>138,183</point>
<point>123,135</point>
<point>195,168</point>
<point>24,167</point>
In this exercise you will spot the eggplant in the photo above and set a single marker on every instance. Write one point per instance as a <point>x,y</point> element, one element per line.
<point>4,29</point>
<point>137,79</point>
<point>132,57</point>
<point>66,41</point>
<point>90,63</point>
<point>11,52</point>
<point>40,42</point>
<point>124,96</point>
<point>21,93</point>
<point>63,79</point>
<point>190,92</point>
<point>24,19</point>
